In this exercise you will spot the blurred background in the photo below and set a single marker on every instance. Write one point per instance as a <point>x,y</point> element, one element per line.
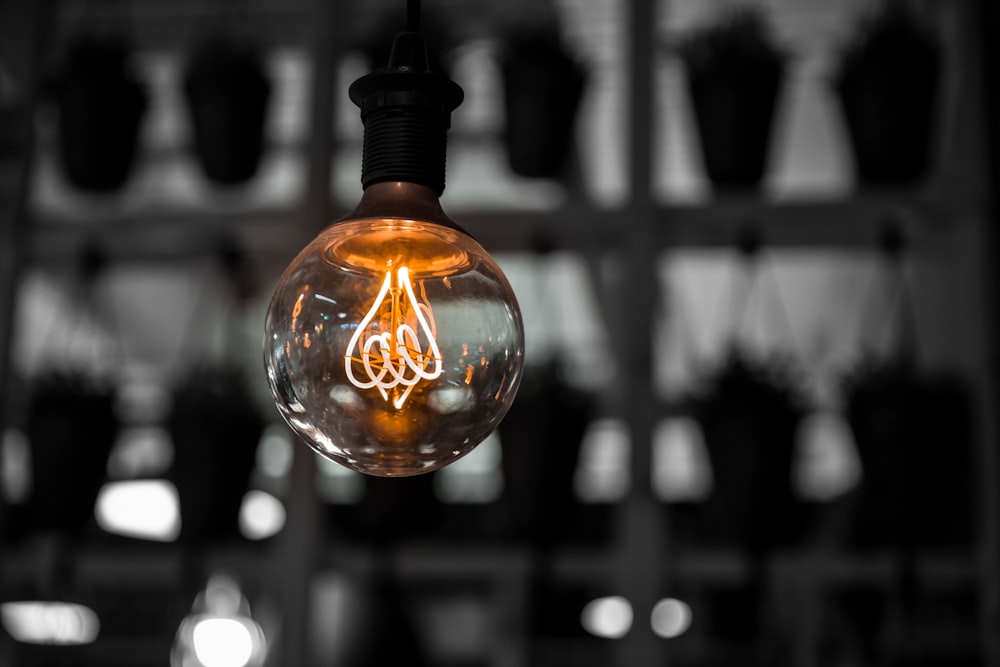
<point>754,247</point>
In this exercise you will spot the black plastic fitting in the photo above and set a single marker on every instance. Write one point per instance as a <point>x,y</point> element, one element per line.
<point>406,110</point>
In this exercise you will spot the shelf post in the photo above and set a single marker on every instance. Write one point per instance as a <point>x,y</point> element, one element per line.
<point>296,558</point>
<point>987,19</point>
<point>24,33</point>
<point>641,531</point>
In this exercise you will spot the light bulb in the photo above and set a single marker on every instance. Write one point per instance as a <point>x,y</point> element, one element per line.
<point>393,342</point>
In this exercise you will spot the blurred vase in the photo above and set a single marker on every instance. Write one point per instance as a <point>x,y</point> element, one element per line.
<point>543,85</point>
<point>541,437</point>
<point>216,427</point>
<point>887,84</point>
<point>749,417</point>
<point>734,77</point>
<point>914,433</point>
<point>227,91</point>
<point>100,105</point>
<point>71,427</point>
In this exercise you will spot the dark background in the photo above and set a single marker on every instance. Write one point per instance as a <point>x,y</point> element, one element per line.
<point>758,422</point>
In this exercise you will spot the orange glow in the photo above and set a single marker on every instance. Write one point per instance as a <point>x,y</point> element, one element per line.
<point>394,345</point>
<point>297,310</point>
<point>395,427</point>
<point>425,250</point>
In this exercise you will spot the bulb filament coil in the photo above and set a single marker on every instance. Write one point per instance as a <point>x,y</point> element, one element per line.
<point>394,345</point>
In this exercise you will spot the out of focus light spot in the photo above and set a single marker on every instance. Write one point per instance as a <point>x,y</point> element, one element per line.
<point>609,617</point>
<point>220,631</point>
<point>274,453</point>
<point>827,464</point>
<point>475,478</point>
<point>681,471</point>
<point>145,509</point>
<point>261,516</point>
<point>670,618</point>
<point>602,475</point>
<point>222,642</point>
<point>61,623</point>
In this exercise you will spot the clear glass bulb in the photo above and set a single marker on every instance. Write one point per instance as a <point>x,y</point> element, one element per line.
<point>393,342</point>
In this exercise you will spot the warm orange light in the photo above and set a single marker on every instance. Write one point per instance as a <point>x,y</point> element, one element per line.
<point>402,351</point>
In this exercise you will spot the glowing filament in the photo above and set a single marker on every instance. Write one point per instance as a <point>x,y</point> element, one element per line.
<point>403,351</point>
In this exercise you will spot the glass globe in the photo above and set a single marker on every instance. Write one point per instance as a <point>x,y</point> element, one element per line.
<point>393,342</point>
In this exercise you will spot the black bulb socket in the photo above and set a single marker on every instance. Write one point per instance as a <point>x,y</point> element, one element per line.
<point>406,111</point>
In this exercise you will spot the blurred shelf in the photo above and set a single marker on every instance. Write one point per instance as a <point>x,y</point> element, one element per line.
<point>163,232</point>
<point>703,565</point>
<point>832,568</point>
<point>848,222</point>
<point>166,23</point>
<point>125,563</point>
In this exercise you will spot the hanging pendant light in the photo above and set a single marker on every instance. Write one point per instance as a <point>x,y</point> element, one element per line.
<point>393,342</point>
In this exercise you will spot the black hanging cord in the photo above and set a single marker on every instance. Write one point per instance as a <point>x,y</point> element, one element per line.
<point>413,15</point>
